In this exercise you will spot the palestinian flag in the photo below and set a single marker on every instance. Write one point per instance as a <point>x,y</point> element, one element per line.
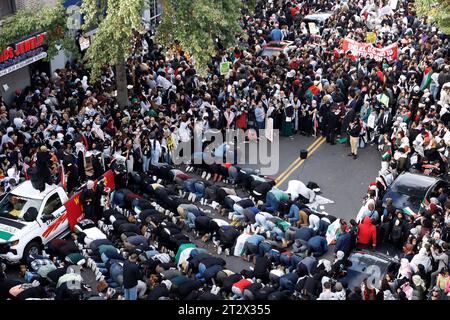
<point>387,155</point>
<point>408,211</point>
<point>312,91</point>
<point>427,73</point>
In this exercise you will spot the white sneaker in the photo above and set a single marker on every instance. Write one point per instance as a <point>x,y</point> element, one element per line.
<point>253,228</point>
<point>155,178</point>
<point>159,181</point>
<point>268,234</point>
<point>219,250</point>
<point>227,252</point>
<point>174,220</point>
<point>180,193</point>
<point>188,168</point>
<point>208,176</point>
<point>167,212</point>
<point>194,197</point>
<point>230,216</point>
<point>203,174</point>
<point>190,196</point>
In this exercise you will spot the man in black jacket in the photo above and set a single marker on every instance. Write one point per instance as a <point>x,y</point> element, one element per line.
<point>131,275</point>
<point>332,124</point>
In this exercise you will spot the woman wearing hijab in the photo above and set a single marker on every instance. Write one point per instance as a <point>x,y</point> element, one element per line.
<point>288,121</point>
<point>423,259</point>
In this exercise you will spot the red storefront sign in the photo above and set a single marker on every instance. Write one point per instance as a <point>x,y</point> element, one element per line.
<point>22,47</point>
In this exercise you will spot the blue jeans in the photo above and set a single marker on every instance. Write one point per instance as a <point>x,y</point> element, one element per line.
<point>232,174</point>
<point>279,234</point>
<point>271,203</point>
<point>191,220</point>
<point>274,255</point>
<point>155,157</point>
<point>286,284</point>
<point>199,189</point>
<point>189,186</point>
<point>261,221</point>
<point>131,293</point>
<point>294,214</point>
<point>260,125</point>
<point>201,271</point>
<point>168,158</point>
<point>145,163</point>
<point>151,253</point>
<point>119,198</point>
<point>116,273</point>
<point>264,248</point>
<point>238,212</point>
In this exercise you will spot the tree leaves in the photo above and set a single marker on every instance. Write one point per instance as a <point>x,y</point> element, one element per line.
<point>28,22</point>
<point>195,25</point>
<point>112,43</point>
<point>437,10</point>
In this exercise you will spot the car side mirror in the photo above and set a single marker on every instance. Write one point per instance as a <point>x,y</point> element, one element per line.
<point>47,217</point>
<point>30,215</point>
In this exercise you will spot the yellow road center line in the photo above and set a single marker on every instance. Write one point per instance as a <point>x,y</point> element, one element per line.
<point>291,171</point>
<point>298,159</point>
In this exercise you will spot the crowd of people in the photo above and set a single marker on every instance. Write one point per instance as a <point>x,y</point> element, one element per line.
<point>67,129</point>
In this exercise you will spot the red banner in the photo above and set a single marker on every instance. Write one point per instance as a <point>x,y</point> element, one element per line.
<point>359,49</point>
<point>73,205</point>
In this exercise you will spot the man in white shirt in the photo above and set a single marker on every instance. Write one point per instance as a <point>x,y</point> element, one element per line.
<point>327,294</point>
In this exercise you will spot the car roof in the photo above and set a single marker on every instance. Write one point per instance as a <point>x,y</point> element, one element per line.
<point>408,178</point>
<point>277,45</point>
<point>319,16</point>
<point>376,254</point>
<point>26,190</point>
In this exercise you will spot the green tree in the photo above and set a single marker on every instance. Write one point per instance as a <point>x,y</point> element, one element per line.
<point>196,24</point>
<point>116,22</point>
<point>436,10</point>
<point>46,19</point>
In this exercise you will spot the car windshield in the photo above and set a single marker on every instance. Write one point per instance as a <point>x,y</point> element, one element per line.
<point>365,266</point>
<point>276,44</point>
<point>417,191</point>
<point>14,207</point>
<point>270,52</point>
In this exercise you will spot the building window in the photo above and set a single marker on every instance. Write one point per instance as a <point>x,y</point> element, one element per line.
<point>152,12</point>
<point>6,8</point>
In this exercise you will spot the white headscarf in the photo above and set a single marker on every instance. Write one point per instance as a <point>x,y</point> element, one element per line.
<point>421,258</point>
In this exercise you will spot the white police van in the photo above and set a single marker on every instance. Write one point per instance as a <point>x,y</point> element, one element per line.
<point>29,219</point>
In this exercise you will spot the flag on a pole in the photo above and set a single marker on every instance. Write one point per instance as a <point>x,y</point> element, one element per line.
<point>63,176</point>
<point>427,73</point>
<point>312,91</point>
<point>409,211</point>
<point>387,155</point>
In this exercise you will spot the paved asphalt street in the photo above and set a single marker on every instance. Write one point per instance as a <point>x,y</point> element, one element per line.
<point>340,177</point>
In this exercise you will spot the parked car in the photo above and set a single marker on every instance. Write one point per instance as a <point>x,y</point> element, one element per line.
<point>275,48</point>
<point>410,190</point>
<point>29,218</point>
<point>318,19</point>
<point>369,265</point>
